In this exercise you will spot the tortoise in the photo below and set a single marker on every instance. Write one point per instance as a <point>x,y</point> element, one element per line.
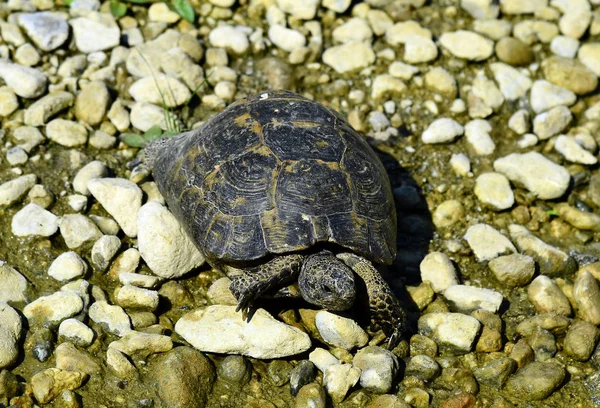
<point>278,189</point>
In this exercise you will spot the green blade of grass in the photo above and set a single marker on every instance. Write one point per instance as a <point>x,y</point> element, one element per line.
<point>184,9</point>
<point>117,8</point>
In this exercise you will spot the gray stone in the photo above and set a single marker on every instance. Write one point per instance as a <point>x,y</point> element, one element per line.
<point>46,29</point>
<point>78,230</point>
<point>552,122</point>
<point>71,359</point>
<point>513,270</point>
<point>513,84</point>
<point>94,169</point>
<point>536,381</point>
<point>104,250</point>
<point>24,81</point>
<point>304,373</point>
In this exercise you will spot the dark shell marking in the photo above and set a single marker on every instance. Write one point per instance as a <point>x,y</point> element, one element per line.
<point>277,174</point>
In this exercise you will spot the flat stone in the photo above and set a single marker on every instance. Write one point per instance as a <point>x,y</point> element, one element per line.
<point>568,147</point>
<point>66,132</point>
<point>454,332</point>
<point>95,32</point>
<point>466,299</point>
<point>67,266</point>
<point>545,96</point>
<point>51,310</point>
<point>551,261</point>
<point>487,243</point>
<point>132,297</point>
<point>46,29</point>
<point>546,179</point>
<point>230,38</point>
<point>220,329</point>
<point>34,220</point>
<point>536,381</point>
<point>121,198</point>
<point>467,45</point>
<point>70,358</point>
<point>78,230</point>
<point>140,345</point>
<point>349,57</point>
<point>76,332</point>
<point>163,243</point>
<point>340,331</point>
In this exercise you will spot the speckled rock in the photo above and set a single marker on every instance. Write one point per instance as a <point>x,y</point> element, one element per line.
<point>547,297</point>
<point>104,250</point>
<point>423,367</point>
<point>536,381</point>
<point>69,358</point>
<point>13,284</point>
<point>513,270</point>
<point>448,213</point>
<point>51,310</point>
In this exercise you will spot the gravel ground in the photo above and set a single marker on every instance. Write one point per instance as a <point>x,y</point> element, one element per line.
<point>485,115</point>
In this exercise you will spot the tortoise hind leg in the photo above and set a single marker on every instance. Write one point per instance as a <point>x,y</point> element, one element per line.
<point>255,282</point>
<point>385,309</point>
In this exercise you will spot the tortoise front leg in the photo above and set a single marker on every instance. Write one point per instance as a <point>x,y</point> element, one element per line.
<point>386,311</point>
<point>255,282</point>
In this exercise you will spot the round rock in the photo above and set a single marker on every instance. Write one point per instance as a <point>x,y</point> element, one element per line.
<point>513,51</point>
<point>340,331</point>
<point>513,270</point>
<point>67,266</point>
<point>570,74</point>
<point>493,189</point>
<point>442,130</point>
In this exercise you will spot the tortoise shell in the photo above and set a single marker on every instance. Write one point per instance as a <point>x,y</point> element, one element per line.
<point>277,173</point>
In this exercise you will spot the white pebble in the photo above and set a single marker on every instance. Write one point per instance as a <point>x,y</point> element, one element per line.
<point>67,266</point>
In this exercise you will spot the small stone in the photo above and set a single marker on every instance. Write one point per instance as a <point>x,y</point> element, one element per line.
<point>339,6</point>
<point>547,297</point>
<point>573,151</point>
<point>349,57</point>
<point>466,299</point>
<point>132,297</point>
<point>532,31</point>
<point>579,219</point>
<point>438,269</point>
<point>513,51</point>
<point>121,198</point>
<point>570,74</point>
<point>441,131</point>
<point>439,80</point>
<point>581,340</point>
<point>164,245</point>
<point>160,89</point>
<point>104,250</point>
<point>522,353</point>
<point>78,230</point>
<point>140,345</point>
<point>487,243</point>
<point>545,96</point>
<point>513,84</point>
<point>423,367</point>
<point>71,359</point>
<point>77,202</point>
<point>477,133</point>
<point>66,133</point>
<point>51,310</point>
<point>24,81</point>
<point>420,344</point>
<point>184,377</point>
<point>8,101</point>
<point>41,196</point>
<point>262,337</point>
<point>94,169</point>
<point>48,384</point>
<point>34,220</point>
<point>305,10</point>
<point>304,373</point>
<point>551,260</point>
<point>565,47</point>
<point>225,90</point>
<point>16,156</point>
<point>401,32</point>
<point>67,266</point>
<point>493,189</point>
<point>575,21</point>
<point>378,368</point>
<point>10,335</point>
<point>92,103</point>
<point>47,30</point>
<point>544,178</point>
<point>235,370</point>
<point>586,293</point>
<point>220,294</point>
<point>496,373</point>
<point>519,122</point>
<point>13,284</point>
<point>589,55</point>
<point>536,381</point>
<point>448,213</point>
<point>355,29</point>
<point>513,270</point>
<point>230,38</point>
<point>38,113</point>
<point>162,13</point>
<point>419,50</point>
<point>285,38</point>
<point>467,45</point>
<point>454,332</point>
<point>127,261</point>
<point>95,32</point>
<point>340,331</point>
<point>338,379</point>
<point>27,55</point>
<point>480,9</point>
<point>145,115</point>
<point>76,332</point>
<point>322,359</point>
<point>492,28</point>
<point>112,318</point>
<point>461,165</point>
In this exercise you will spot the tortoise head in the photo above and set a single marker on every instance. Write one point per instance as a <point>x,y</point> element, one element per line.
<point>326,281</point>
